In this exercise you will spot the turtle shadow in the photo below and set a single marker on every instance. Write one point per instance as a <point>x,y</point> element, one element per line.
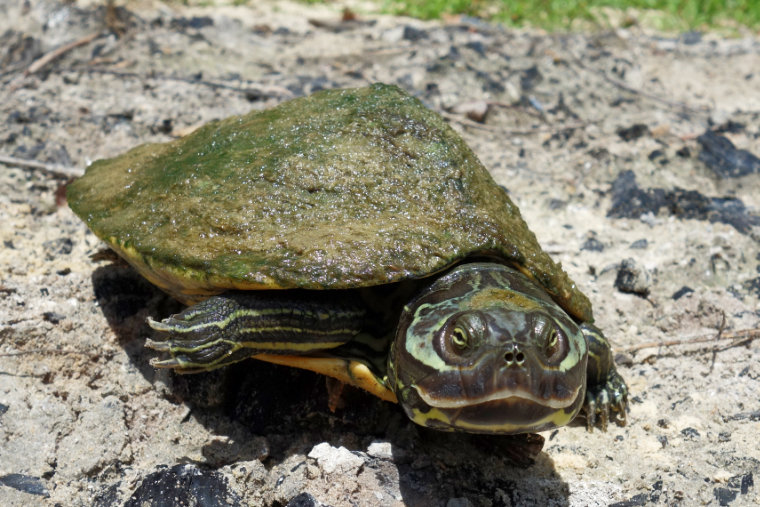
<point>126,300</point>
<point>261,411</point>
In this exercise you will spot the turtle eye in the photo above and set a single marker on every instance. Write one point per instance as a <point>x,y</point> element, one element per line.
<point>459,338</point>
<point>552,343</point>
<point>555,347</point>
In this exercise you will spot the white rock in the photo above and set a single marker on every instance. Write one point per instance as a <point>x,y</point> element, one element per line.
<point>335,459</point>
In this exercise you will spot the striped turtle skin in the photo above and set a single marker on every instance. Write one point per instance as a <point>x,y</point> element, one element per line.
<point>353,233</point>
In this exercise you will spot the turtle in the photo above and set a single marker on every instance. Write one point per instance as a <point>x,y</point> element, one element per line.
<point>353,232</point>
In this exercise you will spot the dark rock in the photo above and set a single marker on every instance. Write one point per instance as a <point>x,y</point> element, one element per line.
<point>530,78</point>
<point>639,244</point>
<point>304,500</point>
<point>724,496</point>
<point>682,292</point>
<point>165,126</point>
<point>107,497</point>
<point>633,132</point>
<point>593,244</point>
<point>690,433</point>
<point>684,152</point>
<point>413,34</point>
<point>183,485</point>
<point>477,46</point>
<point>720,155</point>
<point>3,409</point>
<point>633,279</point>
<point>631,201</point>
<point>746,482</point>
<point>742,482</point>
<point>599,153</point>
<point>196,22</point>
<point>557,204</point>
<point>53,317</point>
<point>26,483</point>
<point>729,126</point>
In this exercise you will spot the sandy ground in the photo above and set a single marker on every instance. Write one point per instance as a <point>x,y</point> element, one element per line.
<point>597,138</point>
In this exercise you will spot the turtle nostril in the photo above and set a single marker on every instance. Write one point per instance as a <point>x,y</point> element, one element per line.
<point>514,357</point>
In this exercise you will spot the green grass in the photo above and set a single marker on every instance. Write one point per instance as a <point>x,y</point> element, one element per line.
<point>563,14</point>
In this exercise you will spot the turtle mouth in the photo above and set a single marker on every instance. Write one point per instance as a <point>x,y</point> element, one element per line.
<point>509,396</point>
<point>507,411</point>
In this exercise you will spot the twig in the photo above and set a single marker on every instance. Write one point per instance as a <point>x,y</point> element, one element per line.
<point>514,132</point>
<point>41,62</point>
<point>740,337</point>
<point>58,170</point>
<point>625,86</point>
<point>46,351</point>
<point>263,90</point>
<point>721,328</point>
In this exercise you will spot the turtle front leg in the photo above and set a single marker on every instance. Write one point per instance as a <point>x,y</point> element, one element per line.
<point>234,326</point>
<point>606,392</point>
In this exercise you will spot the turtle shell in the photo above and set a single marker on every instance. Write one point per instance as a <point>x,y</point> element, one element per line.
<point>340,189</point>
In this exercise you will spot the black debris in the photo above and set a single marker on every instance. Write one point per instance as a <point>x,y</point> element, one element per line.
<point>183,485</point>
<point>26,483</point>
<point>684,152</point>
<point>413,34</point>
<point>530,78</point>
<point>682,292</point>
<point>631,201</point>
<point>633,132</point>
<point>195,22</point>
<point>593,245</point>
<point>724,496</point>
<point>742,482</point>
<point>304,500</point>
<point>720,155</point>
<point>476,46</point>
<point>639,244</point>
<point>53,317</point>
<point>729,126</point>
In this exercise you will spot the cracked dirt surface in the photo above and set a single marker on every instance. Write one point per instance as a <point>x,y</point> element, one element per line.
<point>599,139</point>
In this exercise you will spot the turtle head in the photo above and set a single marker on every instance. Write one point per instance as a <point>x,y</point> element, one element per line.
<point>484,349</point>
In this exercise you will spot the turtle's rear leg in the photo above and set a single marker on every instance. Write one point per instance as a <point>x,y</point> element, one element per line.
<point>236,325</point>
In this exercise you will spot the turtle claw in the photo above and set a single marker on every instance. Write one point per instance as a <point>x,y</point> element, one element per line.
<point>173,363</point>
<point>606,402</point>
<point>194,339</point>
